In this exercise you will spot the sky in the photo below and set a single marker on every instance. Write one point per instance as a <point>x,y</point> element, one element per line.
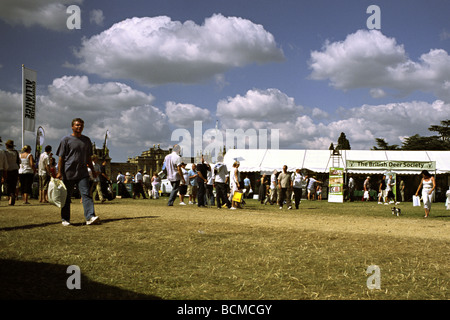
<point>296,73</point>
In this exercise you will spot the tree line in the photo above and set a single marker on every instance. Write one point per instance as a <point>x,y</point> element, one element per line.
<point>439,141</point>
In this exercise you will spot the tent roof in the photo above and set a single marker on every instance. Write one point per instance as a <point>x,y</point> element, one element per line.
<point>267,160</point>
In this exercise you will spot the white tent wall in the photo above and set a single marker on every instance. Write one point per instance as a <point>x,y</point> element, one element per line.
<point>267,160</point>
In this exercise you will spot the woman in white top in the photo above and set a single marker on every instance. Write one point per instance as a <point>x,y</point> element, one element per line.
<point>26,172</point>
<point>429,184</point>
<point>234,183</point>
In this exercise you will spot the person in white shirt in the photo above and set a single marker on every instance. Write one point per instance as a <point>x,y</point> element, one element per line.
<point>210,186</point>
<point>273,187</point>
<point>147,184</point>
<point>156,185</point>
<point>351,188</point>
<point>220,183</point>
<point>44,174</point>
<point>139,185</point>
<point>183,186</point>
<point>172,163</point>
<point>297,184</point>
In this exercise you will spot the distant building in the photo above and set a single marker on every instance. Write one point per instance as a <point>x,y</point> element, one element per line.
<point>150,161</point>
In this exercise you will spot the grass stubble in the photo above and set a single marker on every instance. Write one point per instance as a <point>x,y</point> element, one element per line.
<point>146,250</point>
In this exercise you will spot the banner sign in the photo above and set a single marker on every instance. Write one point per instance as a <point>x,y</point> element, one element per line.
<point>40,136</point>
<point>29,98</point>
<point>391,165</point>
<point>336,185</point>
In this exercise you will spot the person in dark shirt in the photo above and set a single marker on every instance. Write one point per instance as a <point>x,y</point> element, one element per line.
<point>74,154</point>
<point>202,169</point>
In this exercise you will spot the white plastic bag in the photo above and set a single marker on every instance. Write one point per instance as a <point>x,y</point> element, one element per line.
<point>57,192</point>
<point>366,195</point>
<point>447,202</point>
<point>416,201</point>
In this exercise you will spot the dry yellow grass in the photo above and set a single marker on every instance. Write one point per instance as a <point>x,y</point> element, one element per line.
<point>146,250</point>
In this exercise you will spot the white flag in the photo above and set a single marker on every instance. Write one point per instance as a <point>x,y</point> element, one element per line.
<point>29,99</point>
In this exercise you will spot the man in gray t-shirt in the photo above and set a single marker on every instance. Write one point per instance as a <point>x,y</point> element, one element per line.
<point>74,154</point>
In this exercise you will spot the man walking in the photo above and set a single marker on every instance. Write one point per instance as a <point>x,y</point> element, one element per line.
<point>284,183</point>
<point>220,183</point>
<point>44,173</point>
<point>172,163</point>
<point>75,152</point>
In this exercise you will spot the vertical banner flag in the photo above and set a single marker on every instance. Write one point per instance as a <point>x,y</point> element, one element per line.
<point>28,99</point>
<point>336,185</point>
<point>40,136</point>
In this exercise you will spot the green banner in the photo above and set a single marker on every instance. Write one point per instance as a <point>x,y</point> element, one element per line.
<point>391,165</point>
<point>336,185</point>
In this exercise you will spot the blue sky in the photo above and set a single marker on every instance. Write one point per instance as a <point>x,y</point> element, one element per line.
<point>310,69</point>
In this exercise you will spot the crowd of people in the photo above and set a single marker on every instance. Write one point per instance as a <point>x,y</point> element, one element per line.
<point>76,168</point>
<point>282,188</point>
<point>79,168</point>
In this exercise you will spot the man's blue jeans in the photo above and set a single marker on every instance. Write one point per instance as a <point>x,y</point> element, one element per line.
<point>88,202</point>
<point>173,194</point>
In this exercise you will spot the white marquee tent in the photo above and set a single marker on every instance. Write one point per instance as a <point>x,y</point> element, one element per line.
<point>320,161</point>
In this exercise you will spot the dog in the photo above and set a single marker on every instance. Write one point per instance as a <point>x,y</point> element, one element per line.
<point>396,211</point>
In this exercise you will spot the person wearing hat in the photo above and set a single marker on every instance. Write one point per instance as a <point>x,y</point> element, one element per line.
<point>12,174</point>
<point>147,184</point>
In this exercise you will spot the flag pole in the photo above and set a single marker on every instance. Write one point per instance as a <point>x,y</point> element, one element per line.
<point>23,92</point>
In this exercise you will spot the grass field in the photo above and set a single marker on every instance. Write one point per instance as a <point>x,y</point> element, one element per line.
<point>146,250</point>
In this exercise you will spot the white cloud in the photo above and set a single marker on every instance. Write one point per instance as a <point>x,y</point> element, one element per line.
<point>299,129</point>
<point>49,14</point>
<point>369,59</point>
<point>134,124</point>
<point>377,93</point>
<point>269,105</point>
<point>184,115</point>
<point>158,50</point>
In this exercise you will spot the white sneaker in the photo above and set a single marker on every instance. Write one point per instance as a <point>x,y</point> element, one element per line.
<point>93,220</point>
<point>281,208</point>
<point>190,202</point>
<point>182,204</point>
<point>65,223</point>
<point>380,202</point>
<point>232,208</point>
<point>289,208</point>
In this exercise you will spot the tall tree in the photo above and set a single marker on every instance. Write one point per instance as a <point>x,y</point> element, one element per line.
<point>417,142</point>
<point>383,145</point>
<point>443,130</point>
<point>343,143</point>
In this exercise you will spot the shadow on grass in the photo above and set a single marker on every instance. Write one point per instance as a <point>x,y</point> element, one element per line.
<point>22,280</point>
<point>102,221</point>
